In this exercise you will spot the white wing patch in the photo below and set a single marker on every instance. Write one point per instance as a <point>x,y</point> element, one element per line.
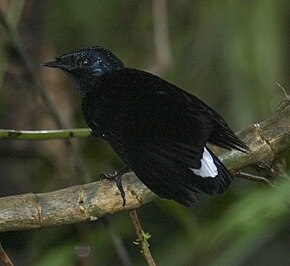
<point>208,168</point>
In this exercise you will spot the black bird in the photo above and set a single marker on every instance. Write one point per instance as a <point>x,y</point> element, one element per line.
<point>159,130</point>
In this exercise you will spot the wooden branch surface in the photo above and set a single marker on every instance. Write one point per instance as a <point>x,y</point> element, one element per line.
<point>91,201</point>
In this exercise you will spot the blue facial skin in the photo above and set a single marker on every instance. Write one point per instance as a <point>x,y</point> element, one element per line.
<point>94,61</point>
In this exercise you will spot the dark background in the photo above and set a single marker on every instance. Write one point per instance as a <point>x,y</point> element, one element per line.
<point>228,53</point>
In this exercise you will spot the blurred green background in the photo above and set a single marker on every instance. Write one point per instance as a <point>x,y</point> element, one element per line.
<point>228,53</point>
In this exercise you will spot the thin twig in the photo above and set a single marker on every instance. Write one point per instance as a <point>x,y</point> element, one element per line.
<point>287,96</point>
<point>45,134</point>
<point>256,178</point>
<point>142,239</point>
<point>4,257</point>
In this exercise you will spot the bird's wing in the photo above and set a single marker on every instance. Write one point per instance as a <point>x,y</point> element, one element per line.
<point>168,170</point>
<point>165,148</point>
<point>222,135</point>
<point>165,97</point>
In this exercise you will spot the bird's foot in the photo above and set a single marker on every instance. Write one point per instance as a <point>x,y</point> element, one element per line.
<point>117,178</point>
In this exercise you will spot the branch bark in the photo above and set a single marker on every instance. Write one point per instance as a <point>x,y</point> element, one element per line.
<point>91,201</point>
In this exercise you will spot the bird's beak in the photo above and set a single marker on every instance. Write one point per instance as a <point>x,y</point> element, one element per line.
<point>57,63</point>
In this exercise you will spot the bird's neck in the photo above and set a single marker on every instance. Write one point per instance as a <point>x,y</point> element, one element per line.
<point>85,85</point>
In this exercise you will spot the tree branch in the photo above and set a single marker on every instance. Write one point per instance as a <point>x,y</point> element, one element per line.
<point>4,257</point>
<point>45,134</point>
<point>142,239</point>
<point>91,201</point>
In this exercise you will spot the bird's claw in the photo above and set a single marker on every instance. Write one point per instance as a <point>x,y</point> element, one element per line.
<point>111,176</point>
<point>117,178</point>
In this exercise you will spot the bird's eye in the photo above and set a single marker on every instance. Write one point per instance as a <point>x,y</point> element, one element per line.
<point>85,62</point>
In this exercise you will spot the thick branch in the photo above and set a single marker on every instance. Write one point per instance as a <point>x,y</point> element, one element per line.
<point>71,205</point>
<point>91,201</point>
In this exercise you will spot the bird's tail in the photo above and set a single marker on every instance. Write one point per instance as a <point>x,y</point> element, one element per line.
<point>223,178</point>
<point>173,177</point>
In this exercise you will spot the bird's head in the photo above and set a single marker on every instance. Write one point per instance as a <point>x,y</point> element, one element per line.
<point>83,64</point>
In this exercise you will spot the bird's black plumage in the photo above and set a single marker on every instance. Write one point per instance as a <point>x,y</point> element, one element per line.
<point>157,129</point>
